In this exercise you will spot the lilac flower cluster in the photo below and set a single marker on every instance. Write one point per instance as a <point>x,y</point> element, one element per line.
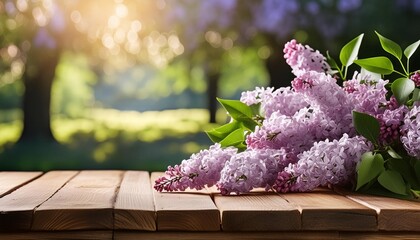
<point>410,132</point>
<point>306,138</point>
<point>326,163</point>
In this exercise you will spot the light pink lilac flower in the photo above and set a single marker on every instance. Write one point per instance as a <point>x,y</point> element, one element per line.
<point>202,169</point>
<point>283,100</point>
<point>252,168</point>
<point>326,163</point>
<point>303,58</point>
<point>367,96</point>
<point>410,132</point>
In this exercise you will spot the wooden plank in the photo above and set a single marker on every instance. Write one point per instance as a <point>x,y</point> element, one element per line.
<point>85,202</point>
<point>257,212</point>
<point>83,235</point>
<point>312,235</point>
<point>185,211</point>
<point>382,235</point>
<point>134,208</point>
<point>393,214</point>
<point>16,208</point>
<point>326,210</point>
<point>10,181</point>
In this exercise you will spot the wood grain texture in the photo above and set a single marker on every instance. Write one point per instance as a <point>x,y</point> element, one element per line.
<point>85,202</point>
<point>226,235</point>
<point>185,211</point>
<point>393,214</point>
<point>257,212</point>
<point>58,235</point>
<point>16,208</point>
<point>10,181</point>
<point>134,208</point>
<point>382,235</point>
<point>326,210</point>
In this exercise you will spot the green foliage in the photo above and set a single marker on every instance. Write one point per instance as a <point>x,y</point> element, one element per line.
<point>380,65</point>
<point>409,51</point>
<point>243,122</point>
<point>402,88</point>
<point>349,52</point>
<point>369,168</point>
<point>72,89</point>
<point>390,46</point>
<point>367,126</point>
<point>393,181</point>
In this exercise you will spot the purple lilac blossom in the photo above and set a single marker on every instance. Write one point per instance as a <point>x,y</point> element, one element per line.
<point>416,78</point>
<point>303,58</point>
<point>323,91</point>
<point>410,132</point>
<point>367,96</point>
<point>326,163</point>
<point>390,121</point>
<point>200,170</point>
<point>283,100</point>
<point>253,168</point>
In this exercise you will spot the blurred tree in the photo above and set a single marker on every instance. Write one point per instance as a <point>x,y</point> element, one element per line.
<point>112,33</point>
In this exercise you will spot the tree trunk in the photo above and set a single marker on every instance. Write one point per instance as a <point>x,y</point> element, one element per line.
<point>278,70</point>
<point>213,86</point>
<point>38,79</point>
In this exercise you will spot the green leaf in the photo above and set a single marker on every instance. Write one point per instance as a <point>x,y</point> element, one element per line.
<point>219,133</point>
<point>333,64</point>
<point>380,65</point>
<point>366,125</point>
<point>234,138</point>
<point>393,153</point>
<point>405,169</point>
<point>393,181</point>
<point>390,46</point>
<point>369,168</point>
<point>349,52</point>
<point>236,109</point>
<point>416,95</point>
<point>408,52</point>
<point>402,88</point>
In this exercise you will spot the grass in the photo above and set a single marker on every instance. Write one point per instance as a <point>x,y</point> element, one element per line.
<point>109,139</point>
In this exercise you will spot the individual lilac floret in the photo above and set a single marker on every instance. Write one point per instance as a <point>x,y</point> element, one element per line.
<point>410,132</point>
<point>283,100</point>
<point>303,58</point>
<point>253,168</point>
<point>326,163</point>
<point>390,122</point>
<point>416,78</point>
<point>202,169</point>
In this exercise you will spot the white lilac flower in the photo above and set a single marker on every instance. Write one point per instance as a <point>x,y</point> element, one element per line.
<point>252,168</point>
<point>200,170</point>
<point>410,132</point>
<point>327,162</point>
<point>303,58</point>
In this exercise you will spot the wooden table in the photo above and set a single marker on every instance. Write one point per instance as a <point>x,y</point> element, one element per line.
<point>123,205</point>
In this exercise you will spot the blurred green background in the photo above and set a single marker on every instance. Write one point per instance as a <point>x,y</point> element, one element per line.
<point>131,84</point>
